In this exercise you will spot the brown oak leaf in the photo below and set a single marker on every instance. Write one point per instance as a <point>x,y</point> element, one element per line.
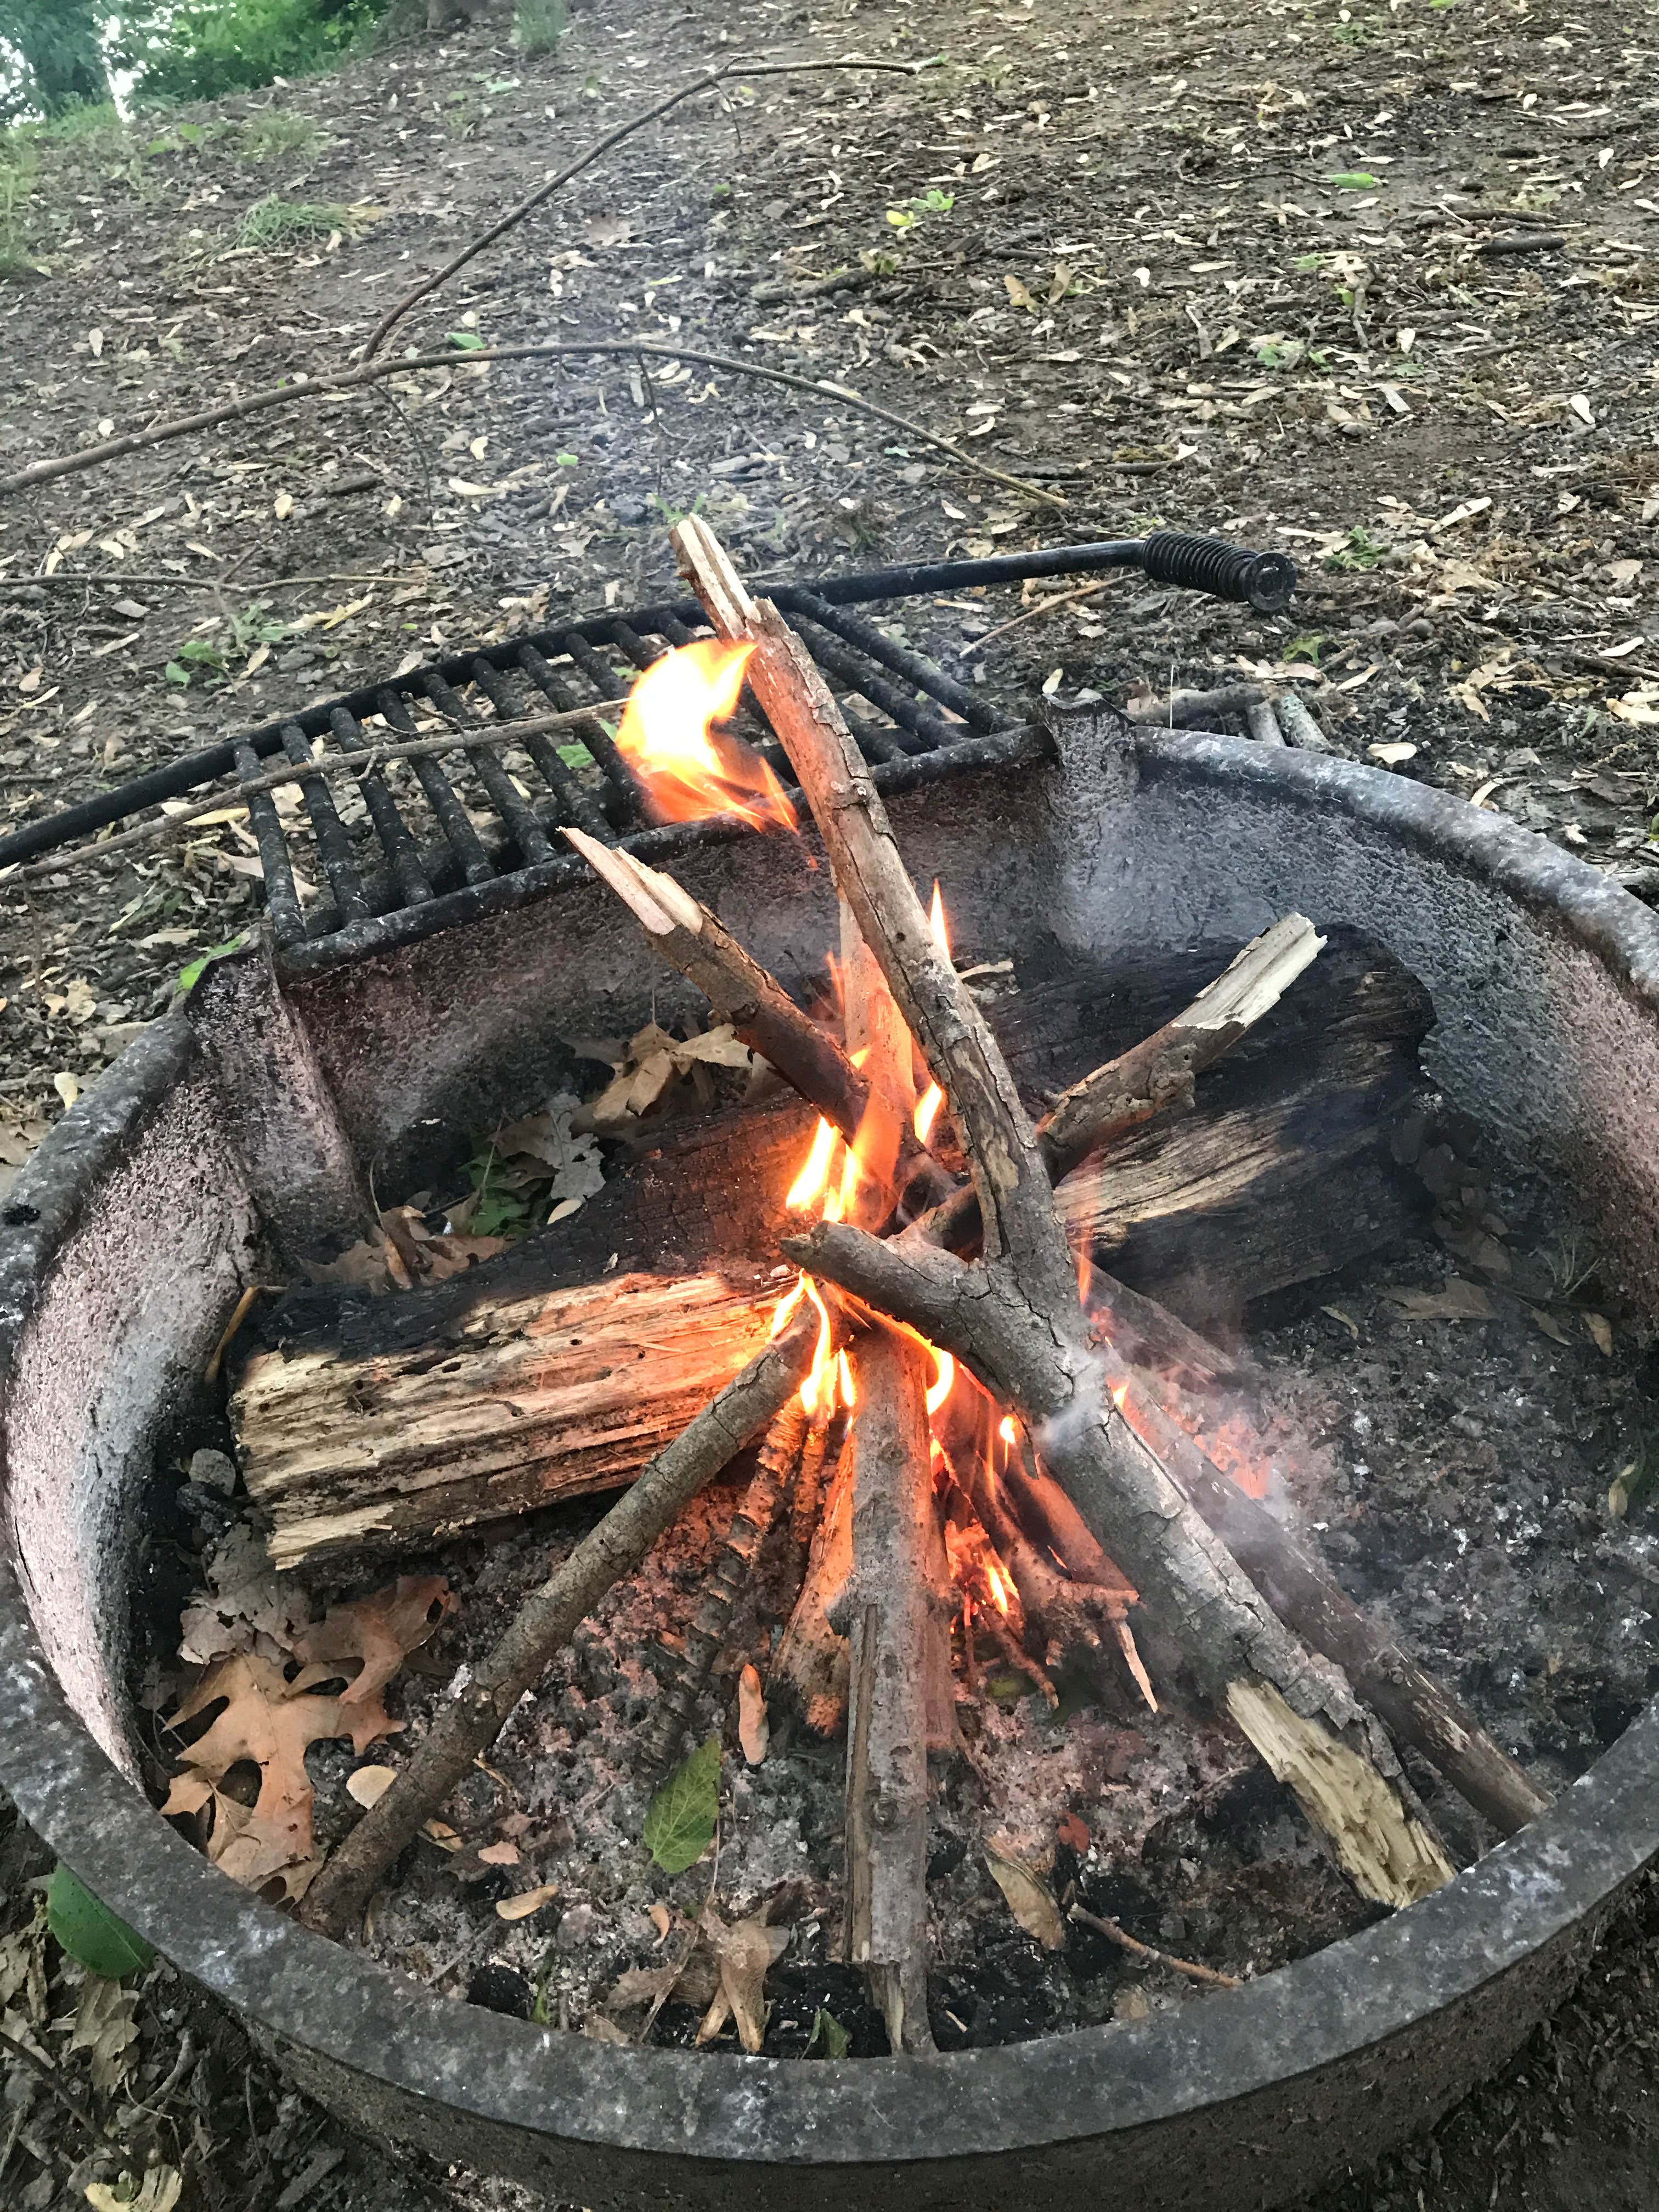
<point>381,1630</point>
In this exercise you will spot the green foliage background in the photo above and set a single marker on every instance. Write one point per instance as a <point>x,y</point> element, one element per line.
<point>56,56</point>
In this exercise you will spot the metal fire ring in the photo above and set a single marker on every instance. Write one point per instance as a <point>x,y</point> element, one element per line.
<point>1245,2098</point>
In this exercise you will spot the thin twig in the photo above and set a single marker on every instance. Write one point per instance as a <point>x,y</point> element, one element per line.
<point>49,2075</point>
<point>1043,607</point>
<point>1121,1936</point>
<point>352,767</point>
<point>195,583</point>
<point>706,83</point>
<point>371,372</point>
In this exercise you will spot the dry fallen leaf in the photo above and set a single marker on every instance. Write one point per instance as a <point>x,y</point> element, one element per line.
<point>502,1854</point>
<point>368,1785</point>
<point>1457,1300</point>
<point>160,2191</point>
<point>529,1901</point>
<point>1073,1834</point>
<point>1600,1329</point>
<point>267,1719</point>
<point>106,2027</point>
<point>753,1732</point>
<point>381,1629</point>
<point>745,1951</point>
<point>1028,1899</point>
<point>283,506</point>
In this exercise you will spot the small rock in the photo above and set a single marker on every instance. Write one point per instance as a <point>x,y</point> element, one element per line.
<point>575,1927</point>
<point>1130,2005</point>
<point>214,1470</point>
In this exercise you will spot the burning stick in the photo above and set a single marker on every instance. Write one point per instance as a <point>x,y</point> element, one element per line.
<point>775,1462</point>
<point>691,938</point>
<point>1016,1316</point>
<point>469,1720</point>
<point>895,1634</point>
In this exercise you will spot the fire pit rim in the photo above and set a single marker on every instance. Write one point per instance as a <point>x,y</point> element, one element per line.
<point>1351,1997</point>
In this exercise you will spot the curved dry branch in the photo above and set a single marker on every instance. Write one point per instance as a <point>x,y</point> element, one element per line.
<point>371,372</point>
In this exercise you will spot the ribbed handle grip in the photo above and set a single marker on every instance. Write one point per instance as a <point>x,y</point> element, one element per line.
<point>1263,581</point>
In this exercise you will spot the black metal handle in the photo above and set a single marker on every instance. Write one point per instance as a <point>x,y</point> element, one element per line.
<point>1263,581</point>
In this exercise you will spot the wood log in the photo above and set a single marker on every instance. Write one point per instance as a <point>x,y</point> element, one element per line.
<point>895,1635</point>
<point>1030,1338</point>
<point>887,1611</point>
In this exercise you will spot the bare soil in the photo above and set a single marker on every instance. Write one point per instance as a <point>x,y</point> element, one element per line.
<point>1129,186</point>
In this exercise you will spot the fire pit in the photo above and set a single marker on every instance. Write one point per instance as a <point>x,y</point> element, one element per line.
<point>239,1129</point>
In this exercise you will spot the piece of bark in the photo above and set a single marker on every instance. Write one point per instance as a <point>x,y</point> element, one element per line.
<point>469,1720</point>
<point>539,1398</point>
<point>774,1463</point>
<point>1391,1862</point>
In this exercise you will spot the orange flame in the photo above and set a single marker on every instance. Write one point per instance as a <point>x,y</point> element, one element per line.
<point>667,736</point>
<point>814,1170</point>
<point>936,921</point>
<point>926,1111</point>
<point>944,1375</point>
<point>1005,1428</point>
<point>1000,1588</point>
<point>844,1369</point>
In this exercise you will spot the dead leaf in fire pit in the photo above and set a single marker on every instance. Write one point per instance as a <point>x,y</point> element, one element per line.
<point>537,1168</point>
<point>1457,1299</point>
<point>1600,1329</point>
<point>246,1607</point>
<point>649,1063</point>
<point>1073,1834</point>
<point>366,1785</point>
<point>745,1951</point>
<point>381,1630</point>
<point>105,2028</point>
<point>267,1721</point>
<point>530,1900</point>
<point>1028,1899</point>
<point>160,2191</point>
<point>753,1733</point>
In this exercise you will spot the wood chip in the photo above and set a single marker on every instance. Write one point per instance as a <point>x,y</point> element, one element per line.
<point>530,1900</point>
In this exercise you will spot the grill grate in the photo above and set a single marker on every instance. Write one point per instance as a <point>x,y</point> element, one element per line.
<point>410,846</point>
<point>351,859</point>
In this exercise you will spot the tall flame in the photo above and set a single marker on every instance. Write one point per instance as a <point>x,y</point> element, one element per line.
<point>668,740</point>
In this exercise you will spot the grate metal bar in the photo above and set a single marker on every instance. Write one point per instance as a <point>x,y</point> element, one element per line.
<point>333,846</point>
<point>857,630</point>
<point>527,833</point>
<point>397,840</point>
<point>440,796</point>
<point>573,801</point>
<point>287,924</point>
<point>630,799</point>
<point>925,730</point>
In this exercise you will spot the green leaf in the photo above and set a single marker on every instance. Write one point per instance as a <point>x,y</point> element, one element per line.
<point>1353,180</point>
<point>175,674</point>
<point>568,460</point>
<point>192,971</point>
<point>680,1819</point>
<point>576,755</point>
<point>90,1932</point>
<point>468,341</point>
<point>827,2030</point>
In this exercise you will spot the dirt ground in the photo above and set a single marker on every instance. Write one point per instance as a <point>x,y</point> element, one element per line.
<point>1373,284</point>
